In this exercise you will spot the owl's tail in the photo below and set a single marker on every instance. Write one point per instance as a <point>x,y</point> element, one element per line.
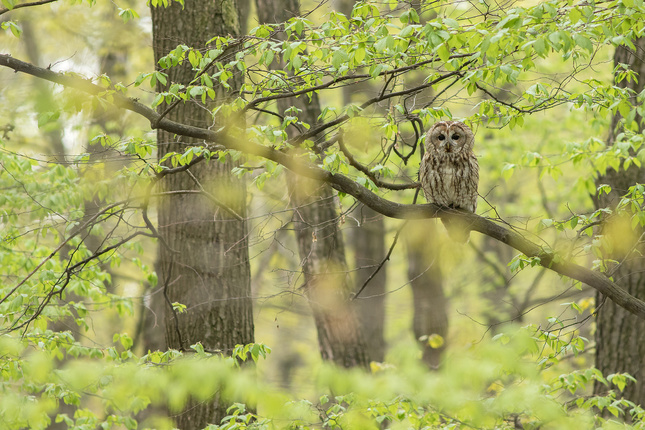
<point>456,230</point>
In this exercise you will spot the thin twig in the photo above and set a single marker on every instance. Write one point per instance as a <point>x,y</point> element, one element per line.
<point>382,263</point>
<point>362,168</point>
<point>214,199</point>
<point>373,100</point>
<point>58,248</point>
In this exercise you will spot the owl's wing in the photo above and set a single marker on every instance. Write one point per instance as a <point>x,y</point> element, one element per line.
<point>472,183</point>
<point>424,177</point>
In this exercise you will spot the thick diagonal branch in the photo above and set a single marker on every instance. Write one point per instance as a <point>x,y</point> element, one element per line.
<point>346,185</point>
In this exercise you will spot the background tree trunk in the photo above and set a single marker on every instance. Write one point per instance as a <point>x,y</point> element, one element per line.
<point>320,242</point>
<point>103,162</point>
<point>620,336</point>
<point>430,316</point>
<point>207,266</point>
<point>45,102</point>
<point>424,271</point>
<point>326,276</point>
<point>368,241</point>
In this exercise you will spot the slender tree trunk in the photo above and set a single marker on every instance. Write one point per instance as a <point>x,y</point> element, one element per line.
<point>91,173</point>
<point>424,271</point>
<point>368,241</point>
<point>205,265</point>
<point>326,276</point>
<point>45,102</point>
<point>244,8</point>
<point>320,242</point>
<point>620,336</point>
<point>430,316</point>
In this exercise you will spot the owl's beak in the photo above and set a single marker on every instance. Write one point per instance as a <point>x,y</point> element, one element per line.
<point>448,148</point>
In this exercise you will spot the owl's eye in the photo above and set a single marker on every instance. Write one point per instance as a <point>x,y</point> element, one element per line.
<point>455,136</point>
<point>441,137</point>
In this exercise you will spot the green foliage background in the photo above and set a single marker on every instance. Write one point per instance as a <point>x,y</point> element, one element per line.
<point>549,63</point>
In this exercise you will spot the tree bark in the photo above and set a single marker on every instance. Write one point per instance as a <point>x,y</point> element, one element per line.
<point>620,335</point>
<point>368,241</point>
<point>45,102</point>
<point>326,277</point>
<point>320,242</point>
<point>430,316</point>
<point>205,265</point>
<point>92,172</point>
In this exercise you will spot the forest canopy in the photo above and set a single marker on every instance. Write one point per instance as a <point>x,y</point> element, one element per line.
<point>211,215</point>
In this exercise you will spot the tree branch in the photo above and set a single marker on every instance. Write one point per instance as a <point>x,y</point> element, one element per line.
<point>362,168</point>
<point>379,98</point>
<point>382,263</point>
<point>18,6</point>
<point>355,77</point>
<point>346,185</point>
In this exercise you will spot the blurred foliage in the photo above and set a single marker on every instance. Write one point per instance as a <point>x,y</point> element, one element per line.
<point>536,82</point>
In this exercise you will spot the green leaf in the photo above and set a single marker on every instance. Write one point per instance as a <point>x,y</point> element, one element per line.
<point>161,77</point>
<point>178,307</point>
<point>545,223</point>
<point>268,57</point>
<point>384,43</point>
<point>575,15</point>
<point>443,52</point>
<point>451,23</point>
<point>406,31</point>
<point>339,58</point>
<point>15,30</point>
<point>583,42</point>
<point>359,53</point>
<point>196,91</point>
<point>128,14</point>
<point>507,171</point>
<point>624,107</point>
<point>540,47</point>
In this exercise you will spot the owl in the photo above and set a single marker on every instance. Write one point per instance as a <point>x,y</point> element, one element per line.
<point>449,172</point>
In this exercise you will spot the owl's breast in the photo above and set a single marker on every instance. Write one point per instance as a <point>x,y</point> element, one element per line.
<point>448,173</point>
<point>445,181</point>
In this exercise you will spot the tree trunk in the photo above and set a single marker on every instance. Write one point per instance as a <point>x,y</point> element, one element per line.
<point>424,271</point>
<point>94,171</point>
<point>320,243</point>
<point>327,282</point>
<point>430,316</point>
<point>368,241</point>
<point>620,336</point>
<point>45,102</point>
<point>205,265</point>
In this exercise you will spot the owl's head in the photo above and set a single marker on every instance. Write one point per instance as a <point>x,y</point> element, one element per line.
<point>450,137</point>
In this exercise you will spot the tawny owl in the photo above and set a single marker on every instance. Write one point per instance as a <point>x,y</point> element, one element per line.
<point>449,172</point>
